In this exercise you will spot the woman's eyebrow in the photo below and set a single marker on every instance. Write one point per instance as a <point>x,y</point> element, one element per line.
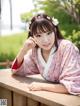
<point>49,32</point>
<point>38,34</point>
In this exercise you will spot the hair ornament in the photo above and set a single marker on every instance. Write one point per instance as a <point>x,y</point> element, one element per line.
<point>55,21</point>
<point>48,18</point>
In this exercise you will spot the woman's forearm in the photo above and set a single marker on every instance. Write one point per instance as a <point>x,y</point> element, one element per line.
<point>21,54</point>
<point>28,44</point>
<point>57,88</point>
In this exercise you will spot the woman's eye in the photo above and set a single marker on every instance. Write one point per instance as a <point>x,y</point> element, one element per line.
<point>38,36</point>
<point>49,33</point>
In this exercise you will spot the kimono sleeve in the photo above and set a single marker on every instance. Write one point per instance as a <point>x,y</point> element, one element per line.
<point>70,75</point>
<point>28,66</point>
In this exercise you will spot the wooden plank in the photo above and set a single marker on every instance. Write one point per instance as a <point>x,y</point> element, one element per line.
<point>19,85</point>
<point>6,94</point>
<point>43,104</point>
<point>19,100</point>
<point>31,102</point>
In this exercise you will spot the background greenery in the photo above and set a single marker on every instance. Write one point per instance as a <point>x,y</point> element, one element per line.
<point>69,26</point>
<point>10,45</point>
<point>66,11</point>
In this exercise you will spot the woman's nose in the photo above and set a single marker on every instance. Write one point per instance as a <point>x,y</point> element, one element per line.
<point>45,39</point>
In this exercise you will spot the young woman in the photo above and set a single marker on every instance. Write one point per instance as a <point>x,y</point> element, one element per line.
<point>47,53</point>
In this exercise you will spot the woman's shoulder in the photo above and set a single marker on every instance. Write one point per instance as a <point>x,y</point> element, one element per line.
<point>63,43</point>
<point>66,44</point>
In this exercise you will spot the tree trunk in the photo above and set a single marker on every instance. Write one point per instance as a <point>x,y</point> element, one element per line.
<point>70,9</point>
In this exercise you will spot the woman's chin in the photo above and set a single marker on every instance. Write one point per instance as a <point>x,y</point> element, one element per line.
<point>47,48</point>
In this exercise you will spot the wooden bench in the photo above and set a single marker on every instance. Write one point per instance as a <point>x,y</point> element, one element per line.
<point>14,89</point>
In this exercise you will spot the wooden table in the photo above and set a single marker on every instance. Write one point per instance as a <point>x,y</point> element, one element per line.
<point>14,89</point>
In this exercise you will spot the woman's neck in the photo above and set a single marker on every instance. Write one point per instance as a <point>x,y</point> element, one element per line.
<point>46,51</point>
<point>45,54</point>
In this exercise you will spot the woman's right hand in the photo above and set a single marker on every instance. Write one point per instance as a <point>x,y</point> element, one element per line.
<point>29,43</point>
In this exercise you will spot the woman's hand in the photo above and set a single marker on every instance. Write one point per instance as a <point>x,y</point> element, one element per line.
<point>35,86</point>
<point>29,43</point>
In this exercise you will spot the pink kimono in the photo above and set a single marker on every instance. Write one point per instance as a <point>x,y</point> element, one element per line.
<point>63,66</point>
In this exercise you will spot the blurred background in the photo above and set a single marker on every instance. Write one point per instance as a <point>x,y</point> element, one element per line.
<point>16,14</point>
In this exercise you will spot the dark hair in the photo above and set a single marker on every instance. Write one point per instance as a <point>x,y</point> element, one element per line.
<point>43,23</point>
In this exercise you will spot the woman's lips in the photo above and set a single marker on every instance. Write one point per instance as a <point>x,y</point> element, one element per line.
<point>46,45</point>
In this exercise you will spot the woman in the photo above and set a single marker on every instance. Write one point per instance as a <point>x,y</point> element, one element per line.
<point>47,53</point>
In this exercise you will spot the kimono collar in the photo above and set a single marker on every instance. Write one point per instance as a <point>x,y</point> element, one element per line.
<point>40,57</point>
<point>47,64</point>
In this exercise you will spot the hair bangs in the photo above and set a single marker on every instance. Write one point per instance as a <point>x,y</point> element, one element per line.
<point>41,26</point>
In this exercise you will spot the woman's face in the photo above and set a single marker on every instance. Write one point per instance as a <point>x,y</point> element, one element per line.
<point>45,40</point>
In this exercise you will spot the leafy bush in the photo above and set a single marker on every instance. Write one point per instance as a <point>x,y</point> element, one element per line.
<point>75,38</point>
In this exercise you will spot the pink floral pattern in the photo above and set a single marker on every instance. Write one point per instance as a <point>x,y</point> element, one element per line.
<point>64,69</point>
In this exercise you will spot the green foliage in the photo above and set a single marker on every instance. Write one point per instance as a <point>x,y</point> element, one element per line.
<point>10,45</point>
<point>25,17</point>
<point>69,28</point>
<point>75,38</point>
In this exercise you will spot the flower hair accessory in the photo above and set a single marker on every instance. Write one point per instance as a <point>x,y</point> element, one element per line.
<point>55,21</point>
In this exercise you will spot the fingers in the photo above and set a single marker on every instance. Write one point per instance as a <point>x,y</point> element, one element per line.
<point>31,88</point>
<point>34,87</point>
<point>33,40</point>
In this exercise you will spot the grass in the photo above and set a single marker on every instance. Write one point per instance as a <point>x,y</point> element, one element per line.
<point>10,45</point>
